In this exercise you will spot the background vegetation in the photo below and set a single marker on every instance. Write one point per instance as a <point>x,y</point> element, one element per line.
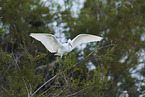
<point>28,69</point>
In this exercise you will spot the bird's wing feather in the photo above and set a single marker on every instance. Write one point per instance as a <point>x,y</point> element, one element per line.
<point>48,40</point>
<point>84,38</point>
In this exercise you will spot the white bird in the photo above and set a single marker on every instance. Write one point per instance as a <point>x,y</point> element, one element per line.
<point>55,46</point>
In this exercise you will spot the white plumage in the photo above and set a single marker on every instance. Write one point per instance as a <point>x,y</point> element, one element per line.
<point>55,46</point>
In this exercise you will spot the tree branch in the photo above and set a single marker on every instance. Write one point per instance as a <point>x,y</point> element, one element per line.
<point>60,92</point>
<point>43,85</point>
<point>5,90</point>
<point>75,93</point>
<point>16,62</point>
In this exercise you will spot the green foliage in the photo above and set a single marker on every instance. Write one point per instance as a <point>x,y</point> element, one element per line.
<point>119,21</point>
<point>28,69</point>
<point>23,73</point>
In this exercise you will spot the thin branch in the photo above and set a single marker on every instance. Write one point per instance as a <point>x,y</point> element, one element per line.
<point>86,58</point>
<point>5,90</point>
<point>75,93</point>
<point>49,94</point>
<point>46,91</point>
<point>15,60</point>
<point>107,46</point>
<point>26,86</point>
<point>21,77</point>
<point>65,78</point>
<point>49,89</point>
<point>43,85</point>
<point>41,67</point>
<point>60,92</point>
<point>89,54</point>
<point>30,89</point>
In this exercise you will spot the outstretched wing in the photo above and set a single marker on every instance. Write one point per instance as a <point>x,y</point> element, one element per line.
<point>84,38</point>
<point>48,40</point>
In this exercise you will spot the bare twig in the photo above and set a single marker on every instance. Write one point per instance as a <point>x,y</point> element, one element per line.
<point>107,46</point>
<point>6,90</point>
<point>26,86</point>
<point>16,62</point>
<point>75,93</point>
<point>49,89</point>
<point>60,92</point>
<point>89,54</point>
<point>30,89</point>
<point>46,91</point>
<point>65,78</point>
<point>86,58</point>
<point>43,85</point>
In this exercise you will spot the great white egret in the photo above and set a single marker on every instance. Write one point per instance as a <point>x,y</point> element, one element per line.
<point>55,46</point>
